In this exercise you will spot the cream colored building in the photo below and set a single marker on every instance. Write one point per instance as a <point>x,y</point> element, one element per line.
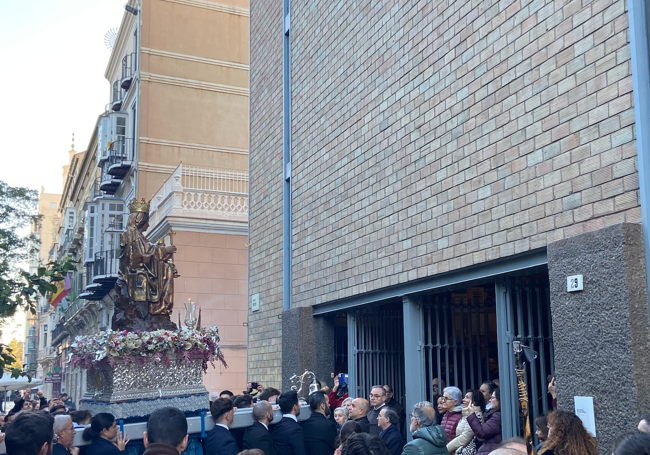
<point>174,131</point>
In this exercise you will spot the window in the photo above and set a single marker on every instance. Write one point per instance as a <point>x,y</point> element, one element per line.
<point>52,205</point>
<point>44,336</point>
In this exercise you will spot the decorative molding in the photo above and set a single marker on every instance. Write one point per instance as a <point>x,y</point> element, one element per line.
<point>189,145</point>
<point>191,83</point>
<point>158,168</point>
<point>212,6</point>
<point>197,225</point>
<point>192,58</point>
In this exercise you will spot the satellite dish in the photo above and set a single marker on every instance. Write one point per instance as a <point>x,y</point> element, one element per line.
<point>109,38</point>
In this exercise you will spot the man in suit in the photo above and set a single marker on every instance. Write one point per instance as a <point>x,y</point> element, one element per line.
<point>319,432</point>
<point>288,437</point>
<point>388,421</point>
<point>258,436</point>
<point>219,440</point>
<point>395,405</point>
<point>377,402</point>
<point>359,413</point>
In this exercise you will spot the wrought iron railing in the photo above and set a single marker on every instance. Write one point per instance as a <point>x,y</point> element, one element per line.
<point>129,65</point>
<point>121,150</point>
<point>117,92</point>
<point>106,263</point>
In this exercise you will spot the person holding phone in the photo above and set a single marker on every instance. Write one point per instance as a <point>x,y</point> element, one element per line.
<point>335,400</point>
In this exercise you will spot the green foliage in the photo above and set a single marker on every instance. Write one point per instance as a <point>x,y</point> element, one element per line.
<point>18,288</point>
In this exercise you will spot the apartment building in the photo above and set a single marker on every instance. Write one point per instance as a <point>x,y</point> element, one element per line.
<point>174,131</point>
<point>457,179</point>
<point>36,328</point>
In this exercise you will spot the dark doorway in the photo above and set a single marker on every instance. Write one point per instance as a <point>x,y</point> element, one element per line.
<point>460,339</point>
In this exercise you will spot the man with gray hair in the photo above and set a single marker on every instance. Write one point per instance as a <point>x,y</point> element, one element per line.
<point>64,431</point>
<point>428,437</point>
<point>388,421</point>
<point>258,436</point>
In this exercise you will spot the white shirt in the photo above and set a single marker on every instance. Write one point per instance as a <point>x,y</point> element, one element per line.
<point>265,425</point>
<point>222,425</point>
<point>291,416</point>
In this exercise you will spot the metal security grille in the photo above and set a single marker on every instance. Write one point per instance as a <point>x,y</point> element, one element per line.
<point>529,321</point>
<point>460,344</point>
<point>378,349</point>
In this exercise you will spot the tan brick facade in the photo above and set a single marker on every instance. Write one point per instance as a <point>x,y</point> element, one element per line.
<point>432,136</point>
<point>265,209</point>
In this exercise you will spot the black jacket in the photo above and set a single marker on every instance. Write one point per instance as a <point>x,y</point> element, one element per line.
<point>157,448</point>
<point>365,425</point>
<point>258,437</point>
<point>393,439</point>
<point>320,434</point>
<point>220,442</point>
<point>101,446</point>
<point>58,449</point>
<point>288,438</point>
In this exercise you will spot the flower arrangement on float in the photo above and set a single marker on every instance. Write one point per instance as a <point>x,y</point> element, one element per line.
<point>159,346</point>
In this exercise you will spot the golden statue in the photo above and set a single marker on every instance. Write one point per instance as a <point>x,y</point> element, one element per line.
<point>145,283</point>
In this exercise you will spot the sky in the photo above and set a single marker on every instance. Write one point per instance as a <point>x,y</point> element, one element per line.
<point>52,81</point>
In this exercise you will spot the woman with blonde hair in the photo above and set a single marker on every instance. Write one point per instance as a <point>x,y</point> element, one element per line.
<point>567,436</point>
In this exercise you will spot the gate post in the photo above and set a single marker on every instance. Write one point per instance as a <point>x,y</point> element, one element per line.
<point>507,379</point>
<point>413,354</point>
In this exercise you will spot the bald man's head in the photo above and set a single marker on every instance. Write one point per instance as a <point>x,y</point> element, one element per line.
<point>506,451</point>
<point>263,412</point>
<point>644,424</point>
<point>359,408</point>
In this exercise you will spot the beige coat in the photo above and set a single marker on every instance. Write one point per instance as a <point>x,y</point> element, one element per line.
<point>464,433</point>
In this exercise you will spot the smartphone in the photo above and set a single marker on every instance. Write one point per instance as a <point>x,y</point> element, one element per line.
<point>343,378</point>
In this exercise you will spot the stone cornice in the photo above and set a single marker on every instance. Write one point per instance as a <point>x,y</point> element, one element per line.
<point>192,58</point>
<point>194,84</point>
<point>196,225</point>
<point>189,145</point>
<point>212,6</point>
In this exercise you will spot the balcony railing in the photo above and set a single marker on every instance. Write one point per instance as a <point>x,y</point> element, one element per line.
<point>120,158</point>
<point>129,67</point>
<point>208,194</point>
<point>101,274</point>
<point>108,183</point>
<point>59,333</point>
<point>116,100</point>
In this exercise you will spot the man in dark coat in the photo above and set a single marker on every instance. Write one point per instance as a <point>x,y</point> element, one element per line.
<point>219,440</point>
<point>319,432</point>
<point>388,421</point>
<point>359,413</point>
<point>396,406</point>
<point>258,436</point>
<point>288,437</point>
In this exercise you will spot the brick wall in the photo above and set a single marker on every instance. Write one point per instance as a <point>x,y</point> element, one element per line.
<point>265,205</point>
<point>432,136</point>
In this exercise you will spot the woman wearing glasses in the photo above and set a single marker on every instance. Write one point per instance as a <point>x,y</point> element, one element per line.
<point>488,433</point>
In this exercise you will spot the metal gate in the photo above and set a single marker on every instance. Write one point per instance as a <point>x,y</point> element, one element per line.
<point>376,355</point>
<point>525,316</point>
<point>460,344</point>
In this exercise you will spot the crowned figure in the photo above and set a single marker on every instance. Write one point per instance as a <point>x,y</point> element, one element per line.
<point>145,284</point>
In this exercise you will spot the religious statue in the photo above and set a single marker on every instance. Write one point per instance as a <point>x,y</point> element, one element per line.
<point>145,284</point>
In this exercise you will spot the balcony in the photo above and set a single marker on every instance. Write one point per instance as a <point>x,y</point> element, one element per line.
<point>207,196</point>
<point>108,183</point>
<point>116,100</point>
<point>120,158</point>
<point>129,67</point>
<point>59,333</point>
<point>101,275</point>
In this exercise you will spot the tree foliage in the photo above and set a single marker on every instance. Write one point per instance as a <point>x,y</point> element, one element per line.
<point>19,288</point>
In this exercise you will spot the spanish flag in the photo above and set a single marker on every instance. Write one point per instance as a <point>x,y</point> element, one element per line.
<point>61,291</point>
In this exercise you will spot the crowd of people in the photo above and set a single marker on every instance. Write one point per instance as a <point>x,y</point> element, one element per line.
<point>460,424</point>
